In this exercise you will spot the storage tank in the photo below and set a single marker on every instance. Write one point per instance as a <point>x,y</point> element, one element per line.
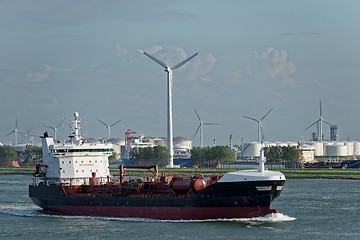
<point>183,142</point>
<point>336,150</point>
<point>357,148</point>
<point>292,144</point>
<point>251,150</point>
<point>350,148</point>
<point>269,144</point>
<point>159,142</point>
<point>319,148</point>
<point>281,144</point>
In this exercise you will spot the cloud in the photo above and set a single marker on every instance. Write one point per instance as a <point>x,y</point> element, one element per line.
<point>275,64</point>
<point>40,76</point>
<point>44,73</point>
<point>202,66</point>
<point>123,53</point>
<point>154,49</point>
<point>48,102</point>
<point>196,69</point>
<point>120,51</point>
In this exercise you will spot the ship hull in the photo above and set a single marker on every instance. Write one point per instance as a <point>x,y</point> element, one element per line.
<point>162,213</point>
<point>219,201</point>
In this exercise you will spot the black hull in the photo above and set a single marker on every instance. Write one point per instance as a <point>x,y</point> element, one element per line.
<point>220,200</point>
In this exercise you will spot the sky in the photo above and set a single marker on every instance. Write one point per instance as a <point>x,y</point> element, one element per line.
<point>61,57</point>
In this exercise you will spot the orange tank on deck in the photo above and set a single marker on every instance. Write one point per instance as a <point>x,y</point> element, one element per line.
<point>184,185</point>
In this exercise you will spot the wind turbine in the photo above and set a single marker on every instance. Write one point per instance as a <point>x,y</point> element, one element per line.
<point>56,134</point>
<point>15,131</point>
<point>260,130</point>
<point>319,123</point>
<point>200,127</point>
<point>109,126</point>
<point>29,137</point>
<point>169,99</point>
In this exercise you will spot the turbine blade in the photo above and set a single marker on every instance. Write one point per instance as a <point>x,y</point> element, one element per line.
<point>211,123</point>
<point>62,120</point>
<point>22,134</point>
<point>9,133</point>
<point>115,123</point>
<point>197,114</point>
<point>49,127</point>
<point>326,121</point>
<point>102,122</point>
<point>155,59</point>
<point>196,131</point>
<point>311,125</point>
<point>320,109</point>
<point>28,130</point>
<point>251,118</point>
<point>183,62</point>
<point>266,114</point>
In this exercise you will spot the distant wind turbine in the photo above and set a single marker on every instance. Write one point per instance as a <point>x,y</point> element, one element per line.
<point>29,137</point>
<point>109,126</point>
<point>56,133</point>
<point>15,131</point>
<point>169,99</point>
<point>260,129</point>
<point>319,123</point>
<point>200,127</point>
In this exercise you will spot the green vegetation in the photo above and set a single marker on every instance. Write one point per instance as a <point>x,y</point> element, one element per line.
<point>336,173</point>
<point>212,155</point>
<point>32,154</point>
<point>17,170</point>
<point>7,155</point>
<point>150,156</point>
<point>276,154</point>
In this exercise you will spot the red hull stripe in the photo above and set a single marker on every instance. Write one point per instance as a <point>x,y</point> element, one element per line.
<point>162,213</point>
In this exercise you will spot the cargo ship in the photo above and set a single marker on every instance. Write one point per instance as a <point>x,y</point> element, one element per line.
<point>74,179</point>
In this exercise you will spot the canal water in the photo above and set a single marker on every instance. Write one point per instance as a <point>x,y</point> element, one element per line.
<point>308,209</point>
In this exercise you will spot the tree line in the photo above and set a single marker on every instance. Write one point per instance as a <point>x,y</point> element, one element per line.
<point>276,154</point>
<point>29,156</point>
<point>200,155</point>
<point>160,155</point>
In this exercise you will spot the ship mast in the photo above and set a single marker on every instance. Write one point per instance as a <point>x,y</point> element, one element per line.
<point>75,125</point>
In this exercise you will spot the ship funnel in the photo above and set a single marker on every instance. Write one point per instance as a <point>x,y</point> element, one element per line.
<point>46,143</point>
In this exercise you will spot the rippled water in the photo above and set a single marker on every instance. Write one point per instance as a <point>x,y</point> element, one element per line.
<point>308,209</point>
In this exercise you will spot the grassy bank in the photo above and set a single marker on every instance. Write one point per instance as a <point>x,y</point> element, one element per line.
<point>289,173</point>
<point>334,173</point>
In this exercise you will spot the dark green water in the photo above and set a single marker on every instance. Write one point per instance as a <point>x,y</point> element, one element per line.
<point>309,209</point>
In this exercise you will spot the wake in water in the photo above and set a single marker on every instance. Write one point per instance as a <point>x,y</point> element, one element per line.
<point>19,210</point>
<point>270,218</point>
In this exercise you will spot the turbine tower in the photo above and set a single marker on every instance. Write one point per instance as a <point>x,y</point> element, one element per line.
<point>109,126</point>
<point>169,99</point>
<point>319,123</point>
<point>200,127</point>
<point>56,134</point>
<point>260,130</point>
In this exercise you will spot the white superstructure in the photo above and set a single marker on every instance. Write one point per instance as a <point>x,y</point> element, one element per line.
<point>74,162</point>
